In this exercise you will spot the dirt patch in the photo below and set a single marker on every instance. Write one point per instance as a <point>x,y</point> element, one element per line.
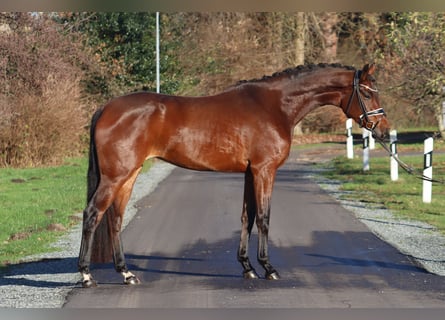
<point>18,180</point>
<point>50,212</point>
<point>19,236</point>
<point>76,218</point>
<point>56,227</point>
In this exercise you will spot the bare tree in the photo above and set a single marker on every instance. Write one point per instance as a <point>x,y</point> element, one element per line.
<point>328,28</point>
<point>299,52</point>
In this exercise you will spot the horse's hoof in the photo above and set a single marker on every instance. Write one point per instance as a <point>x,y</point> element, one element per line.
<point>251,274</point>
<point>272,276</point>
<point>90,283</point>
<point>132,280</point>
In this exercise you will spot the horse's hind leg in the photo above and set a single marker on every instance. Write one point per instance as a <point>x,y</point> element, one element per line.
<point>247,221</point>
<point>109,199</point>
<point>120,204</point>
<point>92,216</point>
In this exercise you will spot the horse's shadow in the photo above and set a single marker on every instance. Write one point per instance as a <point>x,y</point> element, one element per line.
<point>39,273</point>
<point>214,264</point>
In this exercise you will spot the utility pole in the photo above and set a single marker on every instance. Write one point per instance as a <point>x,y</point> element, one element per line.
<point>158,82</point>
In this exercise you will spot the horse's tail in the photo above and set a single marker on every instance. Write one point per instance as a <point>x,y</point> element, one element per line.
<point>102,244</point>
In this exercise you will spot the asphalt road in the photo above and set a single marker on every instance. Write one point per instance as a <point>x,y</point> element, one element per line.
<point>182,245</point>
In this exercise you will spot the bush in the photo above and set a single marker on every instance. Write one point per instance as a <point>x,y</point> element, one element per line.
<point>42,112</point>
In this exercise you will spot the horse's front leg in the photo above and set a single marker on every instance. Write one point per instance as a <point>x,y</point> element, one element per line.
<point>119,258</point>
<point>247,221</point>
<point>263,238</point>
<point>264,181</point>
<point>119,262</point>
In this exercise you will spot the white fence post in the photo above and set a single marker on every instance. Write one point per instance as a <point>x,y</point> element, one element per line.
<point>365,135</point>
<point>371,142</point>
<point>349,140</point>
<point>393,163</point>
<point>428,169</point>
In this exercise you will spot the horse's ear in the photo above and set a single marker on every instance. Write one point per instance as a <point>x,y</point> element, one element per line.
<point>368,69</point>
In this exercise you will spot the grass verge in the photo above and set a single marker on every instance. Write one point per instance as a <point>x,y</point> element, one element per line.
<point>402,197</point>
<point>38,205</point>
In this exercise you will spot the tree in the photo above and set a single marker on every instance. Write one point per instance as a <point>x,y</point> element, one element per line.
<point>328,29</point>
<point>415,59</point>
<point>42,106</point>
<point>124,44</point>
<point>299,52</point>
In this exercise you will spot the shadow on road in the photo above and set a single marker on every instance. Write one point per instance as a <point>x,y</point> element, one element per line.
<point>214,265</point>
<point>47,273</point>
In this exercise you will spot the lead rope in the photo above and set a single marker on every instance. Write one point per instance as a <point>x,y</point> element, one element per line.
<point>356,84</point>
<point>415,172</point>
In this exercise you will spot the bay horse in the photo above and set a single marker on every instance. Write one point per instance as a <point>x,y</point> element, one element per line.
<point>248,128</point>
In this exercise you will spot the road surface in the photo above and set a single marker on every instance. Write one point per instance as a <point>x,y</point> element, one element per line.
<point>182,245</point>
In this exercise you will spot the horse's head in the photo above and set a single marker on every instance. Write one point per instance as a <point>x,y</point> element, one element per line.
<point>363,104</point>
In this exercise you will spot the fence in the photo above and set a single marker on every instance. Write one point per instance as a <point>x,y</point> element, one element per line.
<point>368,144</point>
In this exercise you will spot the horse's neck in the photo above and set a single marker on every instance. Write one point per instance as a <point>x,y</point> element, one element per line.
<point>302,95</point>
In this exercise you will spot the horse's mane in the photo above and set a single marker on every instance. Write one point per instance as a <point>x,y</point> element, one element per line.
<point>296,71</point>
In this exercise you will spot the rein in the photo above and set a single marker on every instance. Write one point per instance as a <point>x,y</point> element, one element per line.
<point>409,169</point>
<point>370,125</point>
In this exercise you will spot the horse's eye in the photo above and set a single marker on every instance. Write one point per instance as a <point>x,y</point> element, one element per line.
<point>366,94</point>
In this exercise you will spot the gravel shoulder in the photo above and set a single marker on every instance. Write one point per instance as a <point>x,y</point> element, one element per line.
<point>45,280</point>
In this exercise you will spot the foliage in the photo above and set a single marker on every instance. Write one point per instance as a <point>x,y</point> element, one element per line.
<point>42,109</point>
<point>124,44</point>
<point>414,59</point>
<point>55,74</point>
<point>215,50</point>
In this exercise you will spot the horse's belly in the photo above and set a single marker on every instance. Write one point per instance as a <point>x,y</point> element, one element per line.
<point>201,151</point>
<point>206,160</point>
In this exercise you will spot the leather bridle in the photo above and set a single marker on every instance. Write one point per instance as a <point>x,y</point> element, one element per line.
<point>364,117</point>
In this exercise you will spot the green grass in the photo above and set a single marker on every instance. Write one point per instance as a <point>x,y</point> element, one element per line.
<point>402,197</point>
<point>33,200</point>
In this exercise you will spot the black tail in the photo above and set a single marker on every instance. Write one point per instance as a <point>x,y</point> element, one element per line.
<point>102,244</point>
<point>93,165</point>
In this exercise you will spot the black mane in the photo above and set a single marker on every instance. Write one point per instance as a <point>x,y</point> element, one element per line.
<point>296,71</point>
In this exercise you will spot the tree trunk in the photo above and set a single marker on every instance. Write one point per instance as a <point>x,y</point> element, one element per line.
<point>328,27</point>
<point>299,53</point>
<point>440,117</point>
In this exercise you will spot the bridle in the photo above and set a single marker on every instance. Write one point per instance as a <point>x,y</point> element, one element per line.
<point>364,117</point>
<point>370,125</point>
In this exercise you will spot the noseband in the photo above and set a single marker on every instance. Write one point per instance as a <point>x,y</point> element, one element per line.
<point>370,125</point>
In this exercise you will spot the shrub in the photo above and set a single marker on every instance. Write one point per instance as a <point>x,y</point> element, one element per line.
<point>42,109</point>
